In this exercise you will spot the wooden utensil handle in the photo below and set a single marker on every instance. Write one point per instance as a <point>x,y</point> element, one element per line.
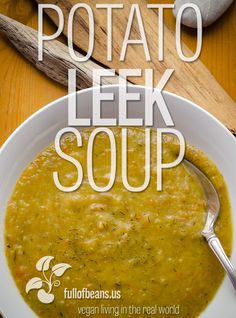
<point>56,59</point>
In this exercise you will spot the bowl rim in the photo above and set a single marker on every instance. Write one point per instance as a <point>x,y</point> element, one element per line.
<point>42,109</point>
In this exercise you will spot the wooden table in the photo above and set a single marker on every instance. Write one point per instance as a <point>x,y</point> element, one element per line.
<point>23,89</point>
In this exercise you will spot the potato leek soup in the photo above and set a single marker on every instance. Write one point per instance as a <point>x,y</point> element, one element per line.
<point>115,253</point>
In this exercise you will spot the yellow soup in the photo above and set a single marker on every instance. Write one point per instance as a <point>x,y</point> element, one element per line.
<point>131,254</point>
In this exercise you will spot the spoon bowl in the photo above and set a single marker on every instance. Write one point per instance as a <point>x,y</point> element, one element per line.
<point>213,210</point>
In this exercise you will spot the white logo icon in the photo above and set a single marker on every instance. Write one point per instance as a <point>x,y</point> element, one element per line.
<point>43,265</point>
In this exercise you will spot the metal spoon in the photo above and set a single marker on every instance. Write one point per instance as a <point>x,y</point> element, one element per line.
<point>213,209</point>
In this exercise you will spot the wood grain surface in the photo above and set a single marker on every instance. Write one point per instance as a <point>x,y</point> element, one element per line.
<point>190,80</point>
<point>23,89</point>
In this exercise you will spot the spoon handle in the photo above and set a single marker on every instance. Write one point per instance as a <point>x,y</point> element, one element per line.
<point>217,248</point>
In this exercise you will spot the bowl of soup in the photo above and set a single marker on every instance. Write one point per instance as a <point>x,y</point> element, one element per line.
<point>117,252</point>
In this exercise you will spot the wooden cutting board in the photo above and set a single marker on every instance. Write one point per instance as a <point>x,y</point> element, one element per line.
<point>190,80</point>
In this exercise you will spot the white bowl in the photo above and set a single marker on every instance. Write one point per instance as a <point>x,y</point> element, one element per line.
<point>199,128</point>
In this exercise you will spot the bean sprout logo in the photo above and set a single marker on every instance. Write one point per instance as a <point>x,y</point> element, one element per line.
<point>45,294</point>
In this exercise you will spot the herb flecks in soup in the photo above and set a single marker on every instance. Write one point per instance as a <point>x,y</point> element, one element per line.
<point>148,245</point>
